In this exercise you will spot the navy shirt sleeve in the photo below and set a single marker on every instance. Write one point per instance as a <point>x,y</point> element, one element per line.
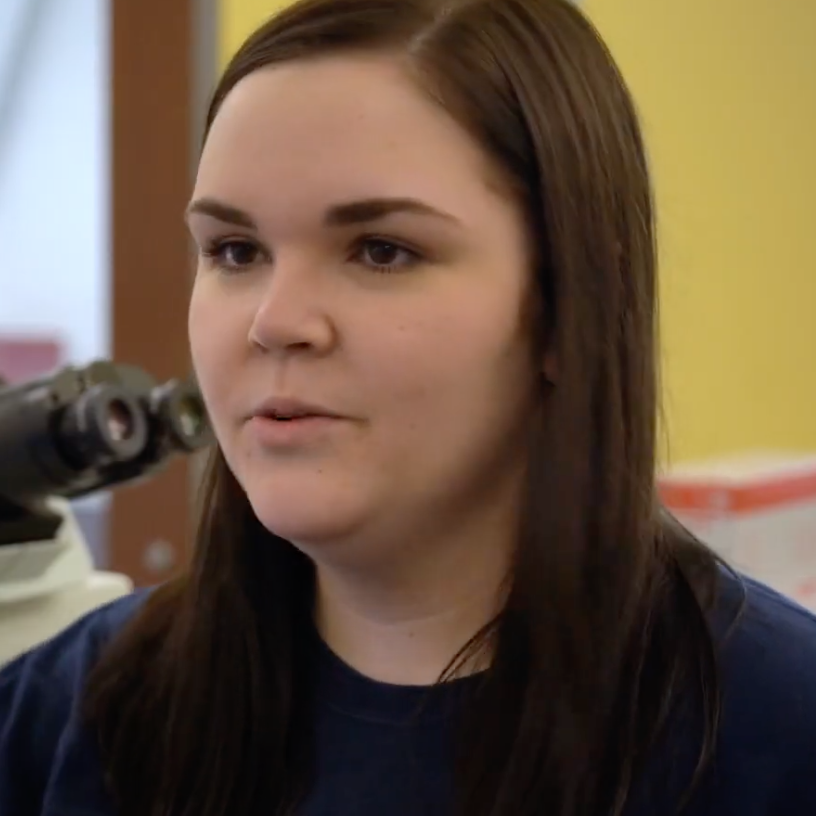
<point>40,729</point>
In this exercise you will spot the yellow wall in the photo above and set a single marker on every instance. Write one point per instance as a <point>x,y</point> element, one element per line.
<point>237,19</point>
<point>725,89</point>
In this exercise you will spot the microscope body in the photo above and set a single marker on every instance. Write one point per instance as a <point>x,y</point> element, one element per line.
<point>74,433</point>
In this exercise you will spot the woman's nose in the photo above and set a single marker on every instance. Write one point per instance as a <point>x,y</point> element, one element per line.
<point>292,313</point>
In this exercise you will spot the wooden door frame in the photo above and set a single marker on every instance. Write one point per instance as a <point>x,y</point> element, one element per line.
<point>163,63</point>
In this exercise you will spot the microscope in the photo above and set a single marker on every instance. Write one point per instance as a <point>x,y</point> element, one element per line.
<point>67,435</point>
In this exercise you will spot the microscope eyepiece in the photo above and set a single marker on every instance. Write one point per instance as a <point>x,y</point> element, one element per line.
<point>104,425</point>
<point>179,407</point>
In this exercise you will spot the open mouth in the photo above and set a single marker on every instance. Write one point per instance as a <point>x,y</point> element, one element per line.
<point>291,417</point>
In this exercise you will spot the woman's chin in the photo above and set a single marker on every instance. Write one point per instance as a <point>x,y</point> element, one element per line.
<point>307,524</point>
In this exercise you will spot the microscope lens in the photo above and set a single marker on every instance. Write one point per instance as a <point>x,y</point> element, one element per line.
<point>190,417</point>
<point>120,421</point>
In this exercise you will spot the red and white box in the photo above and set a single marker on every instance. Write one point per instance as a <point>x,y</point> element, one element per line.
<point>758,511</point>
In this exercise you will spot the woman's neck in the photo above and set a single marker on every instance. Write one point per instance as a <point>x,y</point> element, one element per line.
<point>407,627</point>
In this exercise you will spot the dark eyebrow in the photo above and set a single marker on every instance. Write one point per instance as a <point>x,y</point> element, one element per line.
<point>373,209</point>
<point>222,212</point>
<point>339,215</point>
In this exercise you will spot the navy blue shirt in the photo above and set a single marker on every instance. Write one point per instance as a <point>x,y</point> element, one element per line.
<point>371,762</point>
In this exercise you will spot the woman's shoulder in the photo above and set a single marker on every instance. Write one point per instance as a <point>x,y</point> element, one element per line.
<point>41,733</point>
<point>70,654</point>
<point>764,751</point>
<point>767,742</point>
<point>767,641</point>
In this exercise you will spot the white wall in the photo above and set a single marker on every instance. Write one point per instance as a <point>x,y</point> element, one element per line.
<point>54,172</point>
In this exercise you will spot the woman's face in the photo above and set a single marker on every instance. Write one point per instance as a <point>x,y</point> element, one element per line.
<point>362,270</point>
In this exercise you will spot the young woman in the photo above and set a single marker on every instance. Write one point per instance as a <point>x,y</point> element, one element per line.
<point>432,573</point>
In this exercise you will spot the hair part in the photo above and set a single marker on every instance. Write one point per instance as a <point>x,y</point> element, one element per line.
<point>200,706</point>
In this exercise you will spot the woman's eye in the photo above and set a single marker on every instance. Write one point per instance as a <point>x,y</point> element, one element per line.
<point>233,255</point>
<point>382,255</point>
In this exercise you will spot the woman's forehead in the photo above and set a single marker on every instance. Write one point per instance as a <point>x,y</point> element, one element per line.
<point>349,128</point>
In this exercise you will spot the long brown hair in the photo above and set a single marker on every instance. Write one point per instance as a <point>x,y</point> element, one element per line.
<point>200,706</point>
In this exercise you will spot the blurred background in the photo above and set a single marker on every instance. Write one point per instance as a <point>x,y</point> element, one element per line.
<point>101,104</point>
